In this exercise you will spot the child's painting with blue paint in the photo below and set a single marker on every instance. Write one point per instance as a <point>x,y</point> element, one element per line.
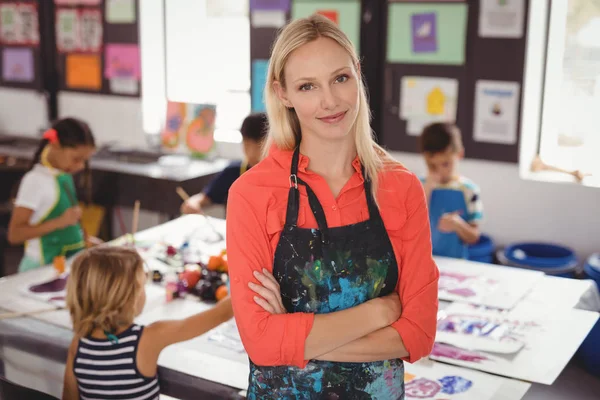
<point>455,207</point>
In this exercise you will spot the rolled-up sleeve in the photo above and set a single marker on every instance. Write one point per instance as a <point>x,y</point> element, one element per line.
<point>418,283</point>
<point>269,340</point>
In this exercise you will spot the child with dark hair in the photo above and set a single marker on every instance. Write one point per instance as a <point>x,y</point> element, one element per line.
<point>46,213</point>
<point>455,207</point>
<point>254,130</point>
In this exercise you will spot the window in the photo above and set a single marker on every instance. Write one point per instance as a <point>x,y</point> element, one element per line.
<point>570,121</point>
<point>206,59</point>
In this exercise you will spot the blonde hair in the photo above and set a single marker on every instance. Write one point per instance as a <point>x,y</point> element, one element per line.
<point>284,126</point>
<point>102,289</point>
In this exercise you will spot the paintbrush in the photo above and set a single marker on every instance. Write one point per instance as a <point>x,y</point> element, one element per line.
<point>135,219</point>
<point>539,165</point>
<point>27,313</point>
<point>184,196</point>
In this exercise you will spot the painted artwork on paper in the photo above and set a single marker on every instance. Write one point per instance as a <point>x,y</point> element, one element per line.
<point>513,343</point>
<point>482,284</point>
<point>176,114</point>
<point>200,134</point>
<point>430,380</point>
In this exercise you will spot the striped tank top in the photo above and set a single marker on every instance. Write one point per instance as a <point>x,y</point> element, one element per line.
<point>108,371</point>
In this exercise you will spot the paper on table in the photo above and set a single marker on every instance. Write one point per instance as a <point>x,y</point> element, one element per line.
<point>484,284</point>
<point>550,342</point>
<point>430,380</point>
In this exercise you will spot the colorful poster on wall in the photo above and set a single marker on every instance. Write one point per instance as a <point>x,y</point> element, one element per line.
<point>427,33</point>
<point>28,32</point>
<point>424,100</point>
<point>17,65</point>
<point>496,112</point>
<point>83,71</point>
<point>90,23</point>
<point>259,79</point>
<point>348,15</point>
<point>67,30</point>
<point>9,24</point>
<point>122,61</point>
<point>501,19</point>
<point>120,11</point>
<point>424,33</point>
<point>270,5</point>
<point>128,86</point>
<point>331,15</point>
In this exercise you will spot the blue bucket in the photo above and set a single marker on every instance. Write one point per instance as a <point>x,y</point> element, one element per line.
<point>549,258</point>
<point>589,352</point>
<point>483,250</point>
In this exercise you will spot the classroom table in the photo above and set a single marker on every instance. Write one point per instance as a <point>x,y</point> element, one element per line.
<point>33,349</point>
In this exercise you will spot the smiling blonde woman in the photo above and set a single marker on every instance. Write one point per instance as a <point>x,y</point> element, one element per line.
<point>328,240</point>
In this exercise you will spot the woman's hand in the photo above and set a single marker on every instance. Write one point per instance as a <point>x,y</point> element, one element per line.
<point>269,293</point>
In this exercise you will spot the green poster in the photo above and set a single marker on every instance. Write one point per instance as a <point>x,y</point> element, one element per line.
<point>427,33</point>
<point>345,13</point>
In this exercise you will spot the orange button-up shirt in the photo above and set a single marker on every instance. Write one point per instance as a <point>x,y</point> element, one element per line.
<point>255,217</point>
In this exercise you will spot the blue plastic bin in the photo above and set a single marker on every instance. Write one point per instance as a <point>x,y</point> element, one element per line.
<point>549,258</point>
<point>589,352</point>
<point>483,250</point>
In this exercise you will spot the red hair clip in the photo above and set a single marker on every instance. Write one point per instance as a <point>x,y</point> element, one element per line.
<point>51,135</point>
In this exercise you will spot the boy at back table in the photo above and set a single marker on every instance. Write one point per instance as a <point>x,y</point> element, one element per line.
<point>455,208</point>
<point>254,129</point>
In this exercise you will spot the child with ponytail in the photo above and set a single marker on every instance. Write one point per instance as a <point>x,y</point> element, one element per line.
<point>46,213</point>
<point>111,357</point>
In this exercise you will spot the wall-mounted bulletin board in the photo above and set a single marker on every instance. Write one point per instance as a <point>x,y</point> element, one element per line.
<point>267,17</point>
<point>456,61</point>
<point>97,45</point>
<point>20,45</point>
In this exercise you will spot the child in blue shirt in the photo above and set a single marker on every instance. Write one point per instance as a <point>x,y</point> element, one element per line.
<point>254,130</point>
<point>455,207</point>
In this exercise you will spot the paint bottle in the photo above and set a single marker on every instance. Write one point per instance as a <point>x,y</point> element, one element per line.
<point>171,287</point>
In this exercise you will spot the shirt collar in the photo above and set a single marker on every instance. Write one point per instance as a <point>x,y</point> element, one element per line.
<point>284,159</point>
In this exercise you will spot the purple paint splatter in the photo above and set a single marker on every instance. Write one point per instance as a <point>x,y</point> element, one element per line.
<point>55,285</point>
<point>444,350</point>
<point>422,388</point>
<point>455,384</point>
<point>463,292</point>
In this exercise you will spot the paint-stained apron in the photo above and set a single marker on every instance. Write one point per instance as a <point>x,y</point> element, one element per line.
<point>327,270</point>
<point>61,242</point>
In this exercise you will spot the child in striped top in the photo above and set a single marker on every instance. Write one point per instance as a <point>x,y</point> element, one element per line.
<point>111,357</point>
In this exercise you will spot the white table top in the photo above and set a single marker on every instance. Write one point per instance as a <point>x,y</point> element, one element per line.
<point>203,358</point>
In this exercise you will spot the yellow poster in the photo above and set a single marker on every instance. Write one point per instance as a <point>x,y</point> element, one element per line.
<point>83,71</point>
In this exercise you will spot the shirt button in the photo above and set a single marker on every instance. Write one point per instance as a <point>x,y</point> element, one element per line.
<point>334,208</point>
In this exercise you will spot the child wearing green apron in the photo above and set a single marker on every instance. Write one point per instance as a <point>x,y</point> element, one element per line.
<point>46,213</point>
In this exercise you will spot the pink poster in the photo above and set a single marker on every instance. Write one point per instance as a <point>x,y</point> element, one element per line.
<point>122,61</point>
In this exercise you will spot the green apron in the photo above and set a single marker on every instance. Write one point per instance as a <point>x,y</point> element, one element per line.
<point>66,241</point>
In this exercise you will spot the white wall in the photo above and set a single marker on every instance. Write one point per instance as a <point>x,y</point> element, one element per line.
<point>27,113</point>
<point>522,210</point>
